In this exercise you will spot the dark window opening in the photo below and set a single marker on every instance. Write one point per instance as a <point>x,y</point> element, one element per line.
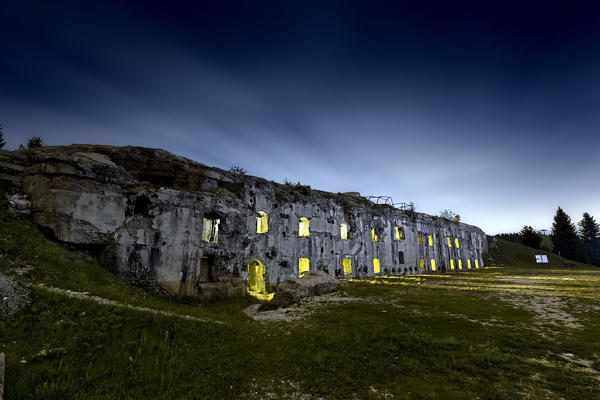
<point>207,269</point>
<point>142,206</point>
<point>400,257</point>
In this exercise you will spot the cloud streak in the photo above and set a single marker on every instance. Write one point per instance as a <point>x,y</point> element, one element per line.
<point>441,110</point>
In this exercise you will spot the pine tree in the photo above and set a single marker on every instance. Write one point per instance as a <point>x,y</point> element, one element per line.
<point>564,237</point>
<point>589,231</point>
<point>530,238</point>
<point>34,142</point>
<point>2,142</point>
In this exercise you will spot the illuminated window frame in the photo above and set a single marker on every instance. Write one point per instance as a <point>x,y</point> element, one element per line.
<point>399,233</point>
<point>347,263</point>
<point>210,230</point>
<point>344,231</point>
<point>376,266</point>
<point>374,237</point>
<point>262,222</point>
<point>303,265</point>
<point>303,227</point>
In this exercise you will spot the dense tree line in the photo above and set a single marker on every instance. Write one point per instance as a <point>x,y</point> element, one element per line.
<point>530,238</point>
<point>581,244</point>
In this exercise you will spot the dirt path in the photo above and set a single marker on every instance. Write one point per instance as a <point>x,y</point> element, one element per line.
<point>550,310</point>
<point>100,300</point>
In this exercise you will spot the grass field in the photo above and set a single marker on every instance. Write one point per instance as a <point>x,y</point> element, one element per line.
<point>498,333</point>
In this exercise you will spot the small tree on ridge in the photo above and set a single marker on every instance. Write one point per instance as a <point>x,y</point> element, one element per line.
<point>35,141</point>
<point>530,238</point>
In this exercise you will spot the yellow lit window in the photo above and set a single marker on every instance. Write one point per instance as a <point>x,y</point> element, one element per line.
<point>420,239</point>
<point>347,266</point>
<point>262,222</point>
<point>374,235</point>
<point>210,230</point>
<point>399,233</point>
<point>422,265</point>
<point>256,277</point>
<point>433,264</point>
<point>452,265</point>
<point>459,263</point>
<point>469,263</point>
<point>303,266</point>
<point>344,231</point>
<point>449,242</point>
<point>430,241</point>
<point>303,227</point>
<point>476,263</point>
<point>456,243</point>
<point>376,267</point>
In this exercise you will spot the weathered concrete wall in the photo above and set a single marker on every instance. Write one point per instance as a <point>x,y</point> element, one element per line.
<point>148,208</point>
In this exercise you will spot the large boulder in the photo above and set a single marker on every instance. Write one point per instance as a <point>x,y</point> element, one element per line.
<point>312,283</point>
<point>13,298</point>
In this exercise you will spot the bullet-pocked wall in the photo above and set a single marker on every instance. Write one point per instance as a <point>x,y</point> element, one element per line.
<point>187,226</point>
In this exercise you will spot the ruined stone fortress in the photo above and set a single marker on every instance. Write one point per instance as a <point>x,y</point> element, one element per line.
<point>179,226</point>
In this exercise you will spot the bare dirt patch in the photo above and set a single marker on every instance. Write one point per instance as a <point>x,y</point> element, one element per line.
<point>298,311</point>
<point>549,309</point>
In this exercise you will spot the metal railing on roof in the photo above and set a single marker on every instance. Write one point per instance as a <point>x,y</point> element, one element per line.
<point>389,201</point>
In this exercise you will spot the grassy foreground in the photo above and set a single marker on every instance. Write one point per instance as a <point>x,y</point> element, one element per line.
<point>498,333</point>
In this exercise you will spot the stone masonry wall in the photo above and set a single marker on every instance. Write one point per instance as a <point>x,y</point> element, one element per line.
<point>147,208</point>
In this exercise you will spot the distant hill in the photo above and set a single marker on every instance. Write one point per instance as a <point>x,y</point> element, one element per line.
<point>509,254</point>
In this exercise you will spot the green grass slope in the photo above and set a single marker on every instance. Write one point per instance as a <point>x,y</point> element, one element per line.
<point>512,254</point>
<point>451,336</point>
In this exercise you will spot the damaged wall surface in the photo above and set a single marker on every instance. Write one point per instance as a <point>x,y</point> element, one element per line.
<point>195,230</point>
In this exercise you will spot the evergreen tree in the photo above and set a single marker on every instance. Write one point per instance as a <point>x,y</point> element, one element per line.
<point>564,237</point>
<point>35,141</point>
<point>2,142</point>
<point>589,231</point>
<point>530,238</point>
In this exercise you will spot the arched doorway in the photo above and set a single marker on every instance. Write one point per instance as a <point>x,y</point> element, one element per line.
<point>256,280</point>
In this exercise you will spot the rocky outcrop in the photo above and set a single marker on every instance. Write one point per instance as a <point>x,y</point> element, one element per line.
<point>18,205</point>
<point>293,290</point>
<point>13,298</point>
<point>192,229</point>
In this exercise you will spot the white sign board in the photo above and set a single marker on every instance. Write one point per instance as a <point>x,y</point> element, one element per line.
<point>541,258</point>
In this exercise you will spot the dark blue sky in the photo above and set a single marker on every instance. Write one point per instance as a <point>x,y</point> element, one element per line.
<point>491,109</point>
